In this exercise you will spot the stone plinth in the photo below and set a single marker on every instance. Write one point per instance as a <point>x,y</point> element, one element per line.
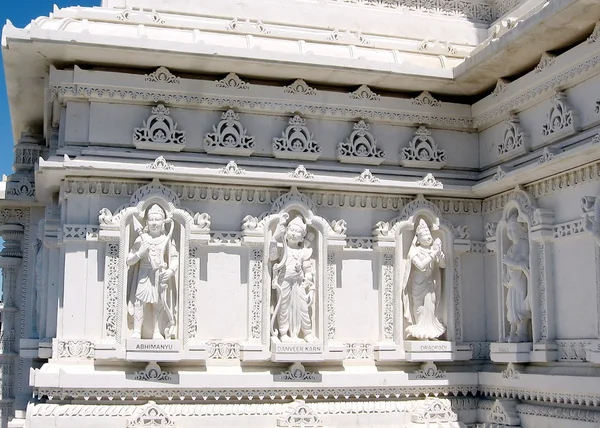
<point>511,352</point>
<point>153,350</point>
<point>429,350</point>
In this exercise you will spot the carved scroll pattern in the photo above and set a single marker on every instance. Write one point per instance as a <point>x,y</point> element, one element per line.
<point>331,282</point>
<point>388,296</point>
<point>112,289</point>
<point>457,301</point>
<point>256,267</point>
<point>191,306</point>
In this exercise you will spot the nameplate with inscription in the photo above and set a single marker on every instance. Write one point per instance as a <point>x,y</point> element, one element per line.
<point>428,346</point>
<point>298,348</point>
<point>148,345</point>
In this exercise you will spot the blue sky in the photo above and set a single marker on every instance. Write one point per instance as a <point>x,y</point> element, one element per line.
<point>20,14</point>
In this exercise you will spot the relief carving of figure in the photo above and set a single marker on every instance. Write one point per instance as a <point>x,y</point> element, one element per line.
<point>515,277</point>
<point>421,286</point>
<point>294,279</point>
<point>154,261</point>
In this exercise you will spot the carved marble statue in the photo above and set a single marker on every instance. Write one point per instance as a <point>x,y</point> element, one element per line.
<point>421,286</point>
<point>154,261</point>
<point>294,279</point>
<point>515,277</point>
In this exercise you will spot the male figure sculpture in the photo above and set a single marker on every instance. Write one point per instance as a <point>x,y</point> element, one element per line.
<point>422,285</point>
<point>293,278</point>
<point>154,260</point>
<point>515,277</point>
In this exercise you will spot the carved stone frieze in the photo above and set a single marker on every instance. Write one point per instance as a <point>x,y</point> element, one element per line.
<point>80,349</point>
<point>159,132</point>
<point>359,351</point>
<point>364,93</point>
<point>562,118</point>
<point>296,142</point>
<point>426,99</point>
<point>232,81</point>
<point>423,152</point>
<point>223,350</point>
<point>229,137</point>
<point>514,140</point>
<point>360,147</point>
<point>162,75</point>
<point>300,87</point>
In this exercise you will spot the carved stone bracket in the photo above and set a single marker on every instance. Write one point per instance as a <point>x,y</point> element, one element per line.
<point>360,147</point>
<point>159,132</point>
<point>229,137</point>
<point>423,152</point>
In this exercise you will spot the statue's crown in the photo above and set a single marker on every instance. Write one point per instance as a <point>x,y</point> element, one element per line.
<point>156,210</point>
<point>297,223</point>
<point>422,227</point>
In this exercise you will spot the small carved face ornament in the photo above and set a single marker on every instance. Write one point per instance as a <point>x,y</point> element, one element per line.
<point>296,231</point>
<point>156,220</point>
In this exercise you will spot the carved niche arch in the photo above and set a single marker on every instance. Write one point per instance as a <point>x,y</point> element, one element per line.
<point>117,230</point>
<point>258,231</point>
<point>394,238</point>
<point>538,223</point>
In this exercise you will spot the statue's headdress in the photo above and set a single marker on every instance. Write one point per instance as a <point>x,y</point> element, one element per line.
<point>422,227</point>
<point>298,224</point>
<point>156,210</point>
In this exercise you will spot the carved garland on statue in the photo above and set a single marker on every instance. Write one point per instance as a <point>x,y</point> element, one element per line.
<point>157,270</point>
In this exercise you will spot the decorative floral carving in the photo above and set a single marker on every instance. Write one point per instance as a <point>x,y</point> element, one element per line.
<point>548,154</point>
<point>429,371</point>
<point>423,152</point>
<point>297,373</point>
<point>511,372</point>
<point>339,227</point>
<point>256,269</point>
<point>299,415</point>
<point>330,283</point>
<point>546,61</point>
<point>360,147</point>
<point>229,137</point>
<point>300,87</point>
<point>515,138</point>
<point>162,74</point>
<point>504,412</point>
<point>430,181</point>
<point>490,230</point>
<point>462,232</point>
<point>387,276</point>
<point>232,81</point>
<point>561,116</point>
<point>426,99</point>
<point>501,172</point>
<point>297,142</point>
<point>359,351</point>
<point>83,349</point>
<point>159,132</point>
<point>302,173</point>
<point>366,177</point>
<point>112,289</point>
<point>232,169</point>
<point>573,350</point>
<point>501,85</point>
<point>437,47</point>
<point>595,139</point>
<point>160,163</point>
<point>436,410</point>
<point>23,189</point>
<point>223,350</point>
<point>150,415</point>
<point>153,372</point>
<point>364,93</point>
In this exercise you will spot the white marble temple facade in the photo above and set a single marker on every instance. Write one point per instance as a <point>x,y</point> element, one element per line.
<point>329,213</point>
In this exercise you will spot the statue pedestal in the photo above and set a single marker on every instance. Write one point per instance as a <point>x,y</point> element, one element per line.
<point>425,350</point>
<point>511,352</point>
<point>153,350</point>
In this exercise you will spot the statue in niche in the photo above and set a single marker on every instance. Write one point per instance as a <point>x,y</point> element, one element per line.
<point>422,285</point>
<point>294,279</point>
<point>515,277</point>
<point>154,261</point>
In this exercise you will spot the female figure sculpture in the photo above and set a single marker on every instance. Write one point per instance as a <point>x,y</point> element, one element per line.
<point>293,278</point>
<point>515,277</point>
<point>422,283</point>
<point>154,260</point>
